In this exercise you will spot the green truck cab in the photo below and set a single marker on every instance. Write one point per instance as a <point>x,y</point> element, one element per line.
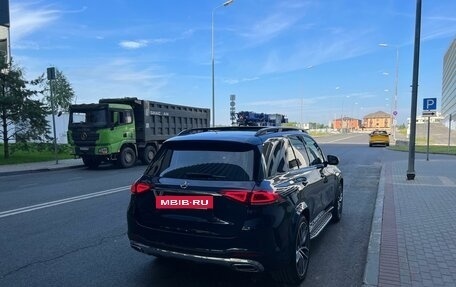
<point>125,129</point>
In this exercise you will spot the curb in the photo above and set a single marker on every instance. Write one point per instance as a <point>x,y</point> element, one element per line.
<point>18,172</point>
<point>371,270</point>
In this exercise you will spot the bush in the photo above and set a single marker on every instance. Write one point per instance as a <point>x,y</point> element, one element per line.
<point>39,147</point>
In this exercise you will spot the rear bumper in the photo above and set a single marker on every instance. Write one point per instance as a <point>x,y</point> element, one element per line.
<point>238,264</point>
<point>262,243</point>
<point>253,251</point>
<point>379,142</point>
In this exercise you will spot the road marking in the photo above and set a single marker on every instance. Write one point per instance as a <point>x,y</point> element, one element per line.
<point>339,139</point>
<point>28,185</point>
<point>61,201</point>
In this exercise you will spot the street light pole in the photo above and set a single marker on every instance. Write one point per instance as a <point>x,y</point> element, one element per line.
<point>416,62</point>
<point>51,76</point>
<point>342,121</point>
<point>213,61</point>
<point>396,81</point>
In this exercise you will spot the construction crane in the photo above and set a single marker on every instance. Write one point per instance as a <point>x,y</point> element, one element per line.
<point>247,118</point>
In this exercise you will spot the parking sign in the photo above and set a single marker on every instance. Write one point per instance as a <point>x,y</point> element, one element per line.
<point>430,104</point>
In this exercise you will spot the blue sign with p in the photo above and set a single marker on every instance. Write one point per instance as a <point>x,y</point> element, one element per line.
<point>429,104</point>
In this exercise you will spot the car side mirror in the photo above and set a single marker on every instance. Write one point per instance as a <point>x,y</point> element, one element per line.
<point>332,160</point>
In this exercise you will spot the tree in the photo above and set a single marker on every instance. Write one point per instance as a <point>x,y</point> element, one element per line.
<point>62,92</point>
<point>22,117</point>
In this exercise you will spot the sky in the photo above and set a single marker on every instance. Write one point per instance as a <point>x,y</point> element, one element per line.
<point>312,61</point>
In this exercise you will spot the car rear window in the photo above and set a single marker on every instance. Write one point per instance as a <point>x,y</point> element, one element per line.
<point>229,162</point>
<point>376,133</point>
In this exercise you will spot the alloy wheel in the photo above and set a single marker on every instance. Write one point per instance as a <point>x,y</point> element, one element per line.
<point>302,249</point>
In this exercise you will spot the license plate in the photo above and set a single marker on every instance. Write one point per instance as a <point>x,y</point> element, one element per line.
<point>84,148</point>
<point>184,202</point>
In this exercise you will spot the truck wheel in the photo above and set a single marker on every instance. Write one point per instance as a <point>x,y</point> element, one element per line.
<point>148,154</point>
<point>91,162</point>
<point>127,157</point>
<point>295,272</point>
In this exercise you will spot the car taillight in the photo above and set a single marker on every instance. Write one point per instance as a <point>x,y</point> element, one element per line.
<point>263,197</point>
<point>237,195</point>
<point>141,187</point>
<point>259,197</point>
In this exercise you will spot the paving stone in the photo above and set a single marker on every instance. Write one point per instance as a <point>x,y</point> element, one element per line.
<point>421,232</point>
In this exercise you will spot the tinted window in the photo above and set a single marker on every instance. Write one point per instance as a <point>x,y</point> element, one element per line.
<point>314,151</point>
<point>92,117</point>
<point>121,117</point>
<point>299,149</point>
<point>379,133</point>
<point>278,156</point>
<point>221,162</point>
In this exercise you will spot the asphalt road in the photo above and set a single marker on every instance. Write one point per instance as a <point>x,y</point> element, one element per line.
<point>68,228</point>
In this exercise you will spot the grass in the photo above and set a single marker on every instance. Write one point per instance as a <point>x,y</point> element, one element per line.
<point>33,153</point>
<point>318,134</point>
<point>423,149</point>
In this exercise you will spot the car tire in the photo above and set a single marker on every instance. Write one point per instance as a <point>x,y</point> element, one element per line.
<point>127,157</point>
<point>338,203</point>
<point>147,154</point>
<point>295,272</point>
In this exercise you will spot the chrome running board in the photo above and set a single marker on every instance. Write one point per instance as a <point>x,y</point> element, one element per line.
<point>317,225</point>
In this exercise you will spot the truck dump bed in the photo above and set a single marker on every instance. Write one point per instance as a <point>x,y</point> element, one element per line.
<point>157,121</point>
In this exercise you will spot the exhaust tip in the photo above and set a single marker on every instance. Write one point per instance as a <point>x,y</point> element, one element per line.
<point>137,248</point>
<point>245,267</point>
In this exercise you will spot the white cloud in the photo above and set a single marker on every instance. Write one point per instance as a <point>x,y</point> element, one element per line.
<point>129,44</point>
<point>26,19</point>
<point>133,44</point>
<point>332,47</point>
<point>119,77</point>
<point>238,81</point>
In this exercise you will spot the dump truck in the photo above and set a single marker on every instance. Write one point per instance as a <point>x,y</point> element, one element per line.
<point>247,118</point>
<point>123,130</point>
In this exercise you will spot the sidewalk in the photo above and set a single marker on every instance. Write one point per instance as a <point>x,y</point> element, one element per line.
<point>413,235</point>
<point>13,169</point>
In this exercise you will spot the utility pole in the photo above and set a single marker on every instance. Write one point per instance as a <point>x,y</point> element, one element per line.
<point>51,76</point>
<point>416,62</point>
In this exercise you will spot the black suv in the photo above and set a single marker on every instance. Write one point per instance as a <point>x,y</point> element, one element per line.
<point>249,198</point>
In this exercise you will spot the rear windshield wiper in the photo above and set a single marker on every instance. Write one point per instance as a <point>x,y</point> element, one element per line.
<point>203,175</point>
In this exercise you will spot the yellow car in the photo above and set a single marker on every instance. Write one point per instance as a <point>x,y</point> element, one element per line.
<point>379,138</point>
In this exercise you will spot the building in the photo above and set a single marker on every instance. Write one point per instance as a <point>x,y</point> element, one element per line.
<point>4,32</point>
<point>61,127</point>
<point>438,118</point>
<point>346,123</point>
<point>377,120</point>
<point>449,85</point>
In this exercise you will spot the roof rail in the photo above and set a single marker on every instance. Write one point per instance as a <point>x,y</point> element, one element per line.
<point>266,130</point>
<point>216,129</point>
<point>260,130</point>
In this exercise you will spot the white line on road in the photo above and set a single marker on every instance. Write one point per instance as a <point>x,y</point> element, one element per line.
<point>28,185</point>
<point>337,140</point>
<point>61,201</point>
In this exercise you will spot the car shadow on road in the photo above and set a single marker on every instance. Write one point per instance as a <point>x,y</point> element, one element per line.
<point>174,272</point>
